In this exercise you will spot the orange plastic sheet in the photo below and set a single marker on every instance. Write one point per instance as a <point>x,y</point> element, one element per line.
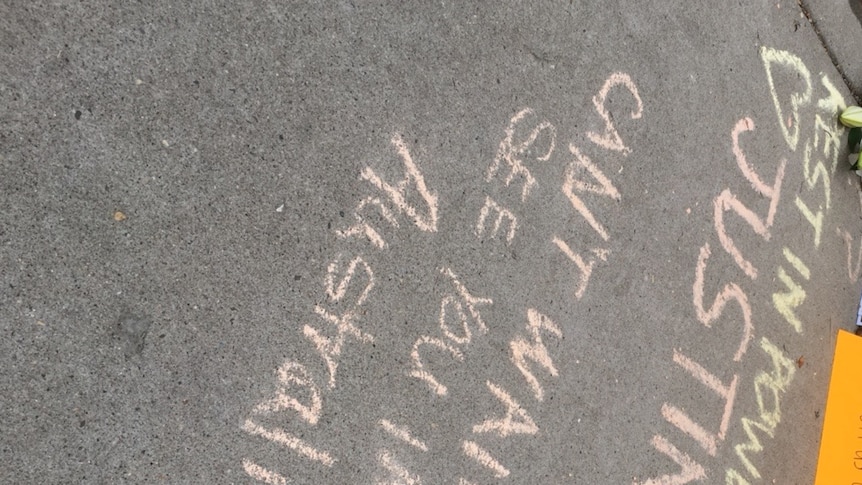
<point>840,460</point>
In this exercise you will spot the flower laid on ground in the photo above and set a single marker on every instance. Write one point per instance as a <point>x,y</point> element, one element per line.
<point>851,117</point>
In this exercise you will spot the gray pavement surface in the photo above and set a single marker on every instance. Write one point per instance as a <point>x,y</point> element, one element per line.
<point>414,242</point>
<point>839,26</point>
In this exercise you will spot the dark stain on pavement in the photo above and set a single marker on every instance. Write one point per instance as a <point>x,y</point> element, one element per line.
<point>132,330</point>
<point>856,7</point>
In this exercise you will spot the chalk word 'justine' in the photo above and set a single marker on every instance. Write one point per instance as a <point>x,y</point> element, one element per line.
<point>785,303</point>
<point>819,154</point>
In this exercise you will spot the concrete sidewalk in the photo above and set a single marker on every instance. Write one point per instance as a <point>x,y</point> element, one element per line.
<point>839,26</point>
<point>554,242</point>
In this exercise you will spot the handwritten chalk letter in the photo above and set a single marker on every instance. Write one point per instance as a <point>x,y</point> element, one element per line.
<point>337,292</point>
<point>282,437</point>
<point>470,301</point>
<point>681,420</point>
<point>543,135</point>
<point>818,173</point>
<point>472,450</point>
<point>330,348</point>
<point>785,303</point>
<point>816,221</point>
<point>611,140</point>
<point>834,101</point>
<point>420,372</point>
<point>585,269</point>
<point>733,477</point>
<point>398,474</point>
<point>771,192</point>
<point>691,470</point>
<point>727,201</point>
<point>403,434</point>
<point>753,445</point>
<point>344,323</point>
<point>852,272</point>
<point>449,305</point>
<point>730,291</point>
<point>516,420</point>
<point>398,193</point>
<point>769,414</point>
<point>534,350</point>
<point>831,104</point>
<point>261,474</point>
<point>501,213</point>
<point>788,116</point>
<point>783,367</point>
<point>362,228</point>
<point>573,184</point>
<point>293,374</point>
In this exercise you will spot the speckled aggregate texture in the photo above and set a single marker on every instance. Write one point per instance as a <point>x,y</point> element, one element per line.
<point>236,239</point>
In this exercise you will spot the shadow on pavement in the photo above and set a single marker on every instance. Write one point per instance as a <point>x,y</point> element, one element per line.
<point>856,7</point>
